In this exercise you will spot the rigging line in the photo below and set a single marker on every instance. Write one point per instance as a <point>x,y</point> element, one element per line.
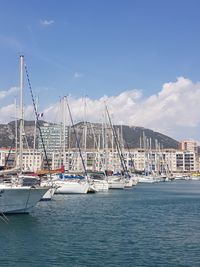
<point>95,141</point>
<point>37,121</point>
<point>122,155</point>
<point>76,137</point>
<point>129,151</point>
<point>9,153</point>
<point>29,192</point>
<point>122,160</point>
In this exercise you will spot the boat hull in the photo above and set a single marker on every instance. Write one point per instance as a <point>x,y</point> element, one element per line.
<point>49,194</point>
<point>19,199</point>
<point>115,182</point>
<point>71,187</point>
<point>100,185</point>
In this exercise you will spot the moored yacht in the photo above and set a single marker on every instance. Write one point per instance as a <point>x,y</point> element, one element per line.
<point>116,181</point>
<point>16,198</point>
<point>100,185</point>
<point>71,184</point>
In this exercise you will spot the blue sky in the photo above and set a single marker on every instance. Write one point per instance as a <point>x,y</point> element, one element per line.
<point>98,48</point>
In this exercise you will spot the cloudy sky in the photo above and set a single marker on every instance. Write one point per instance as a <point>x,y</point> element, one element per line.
<point>140,57</point>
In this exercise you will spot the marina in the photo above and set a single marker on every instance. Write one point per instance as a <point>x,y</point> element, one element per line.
<point>99,133</point>
<point>149,225</point>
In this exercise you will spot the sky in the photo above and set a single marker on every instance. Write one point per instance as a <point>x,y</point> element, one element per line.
<point>139,57</point>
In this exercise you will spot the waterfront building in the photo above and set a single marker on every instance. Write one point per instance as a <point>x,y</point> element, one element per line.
<point>185,162</point>
<point>55,141</point>
<point>31,160</point>
<point>7,157</point>
<point>51,135</point>
<point>165,161</point>
<point>189,145</point>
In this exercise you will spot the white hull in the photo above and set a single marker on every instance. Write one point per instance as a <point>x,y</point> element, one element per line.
<point>134,182</point>
<point>100,185</point>
<point>19,199</point>
<point>49,194</point>
<point>116,183</point>
<point>146,179</point>
<point>71,187</point>
<point>128,183</point>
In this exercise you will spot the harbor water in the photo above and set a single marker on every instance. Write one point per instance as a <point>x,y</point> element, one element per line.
<point>148,225</point>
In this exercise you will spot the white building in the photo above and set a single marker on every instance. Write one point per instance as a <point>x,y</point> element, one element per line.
<point>169,160</point>
<point>189,145</point>
<point>7,157</point>
<point>32,160</point>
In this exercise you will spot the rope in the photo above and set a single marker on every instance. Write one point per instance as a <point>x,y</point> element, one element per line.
<point>77,141</point>
<point>119,149</point>
<point>29,192</point>
<point>36,115</point>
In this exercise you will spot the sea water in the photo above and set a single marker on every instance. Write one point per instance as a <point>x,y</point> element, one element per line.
<point>148,225</point>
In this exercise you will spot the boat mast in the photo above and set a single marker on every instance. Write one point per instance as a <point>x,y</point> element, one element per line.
<point>85,133</point>
<point>76,137</point>
<point>119,150</point>
<point>21,113</point>
<point>16,141</point>
<point>64,132</point>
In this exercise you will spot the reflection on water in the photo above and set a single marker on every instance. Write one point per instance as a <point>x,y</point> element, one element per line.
<point>149,225</point>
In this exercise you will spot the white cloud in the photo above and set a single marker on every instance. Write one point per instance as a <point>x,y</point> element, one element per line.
<point>46,22</point>
<point>174,108</point>
<point>173,111</point>
<point>7,113</point>
<point>78,75</point>
<point>9,92</point>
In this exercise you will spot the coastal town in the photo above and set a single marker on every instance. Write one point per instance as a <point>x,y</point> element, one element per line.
<point>142,160</point>
<point>99,133</point>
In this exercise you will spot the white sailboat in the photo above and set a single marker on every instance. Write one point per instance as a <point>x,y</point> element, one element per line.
<point>14,196</point>
<point>120,179</point>
<point>98,181</point>
<point>100,185</point>
<point>116,182</point>
<point>71,184</point>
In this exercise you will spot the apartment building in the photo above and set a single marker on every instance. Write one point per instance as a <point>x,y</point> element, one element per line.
<point>165,161</point>
<point>54,138</point>
<point>188,145</point>
<point>32,160</point>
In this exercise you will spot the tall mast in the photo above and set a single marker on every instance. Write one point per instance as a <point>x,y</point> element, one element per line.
<point>85,133</point>
<point>76,137</point>
<point>64,132</point>
<point>122,160</point>
<point>61,132</point>
<point>21,112</point>
<point>16,141</point>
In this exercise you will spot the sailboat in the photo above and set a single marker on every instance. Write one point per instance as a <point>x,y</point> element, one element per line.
<point>68,183</point>
<point>15,197</point>
<point>117,180</point>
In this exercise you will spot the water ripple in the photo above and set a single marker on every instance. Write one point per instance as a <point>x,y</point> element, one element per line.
<point>150,225</point>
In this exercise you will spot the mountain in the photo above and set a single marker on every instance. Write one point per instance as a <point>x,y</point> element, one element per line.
<point>133,137</point>
<point>136,137</point>
<point>129,136</point>
<point>8,133</point>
